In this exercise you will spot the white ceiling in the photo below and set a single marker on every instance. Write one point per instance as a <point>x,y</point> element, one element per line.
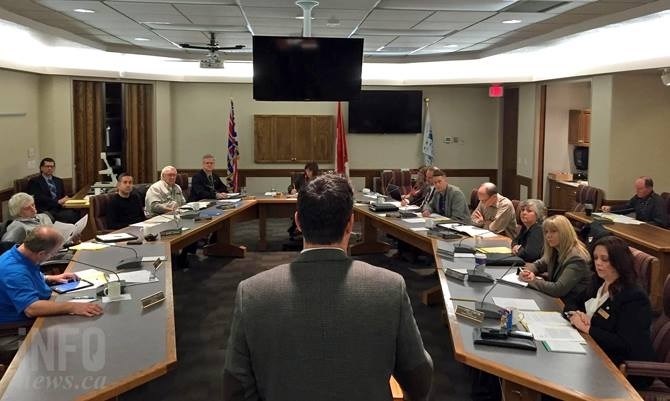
<point>412,30</point>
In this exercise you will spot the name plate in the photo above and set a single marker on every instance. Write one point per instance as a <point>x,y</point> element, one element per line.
<point>151,300</point>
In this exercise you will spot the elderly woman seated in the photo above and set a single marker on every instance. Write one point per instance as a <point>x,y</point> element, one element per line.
<point>24,218</point>
<point>529,244</point>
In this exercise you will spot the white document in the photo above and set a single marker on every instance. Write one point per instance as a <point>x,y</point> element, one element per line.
<point>519,303</point>
<point>123,297</point>
<point>409,208</point>
<point>93,276</point>
<point>138,276</point>
<point>418,228</point>
<point>513,279</point>
<point>374,196</point>
<point>545,318</point>
<point>69,231</point>
<point>231,201</point>
<point>232,194</point>
<point>555,333</point>
<point>272,194</point>
<point>113,237</point>
<point>415,220</point>
<point>564,346</point>
<point>153,258</point>
<point>619,218</point>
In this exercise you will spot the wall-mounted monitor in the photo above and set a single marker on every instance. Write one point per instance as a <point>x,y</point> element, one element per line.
<point>386,112</point>
<point>306,69</point>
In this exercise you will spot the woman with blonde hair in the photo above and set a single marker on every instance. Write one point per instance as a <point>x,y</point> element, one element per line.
<point>563,270</point>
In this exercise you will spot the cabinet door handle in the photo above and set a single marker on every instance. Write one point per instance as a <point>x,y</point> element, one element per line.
<point>293,159</point>
<point>558,187</point>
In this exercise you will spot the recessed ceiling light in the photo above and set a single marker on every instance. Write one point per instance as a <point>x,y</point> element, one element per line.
<point>380,48</point>
<point>142,39</point>
<point>332,22</point>
<point>451,46</point>
<point>511,21</point>
<point>83,10</point>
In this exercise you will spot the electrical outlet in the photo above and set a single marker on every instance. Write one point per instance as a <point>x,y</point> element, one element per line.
<point>448,139</point>
<point>456,139</point>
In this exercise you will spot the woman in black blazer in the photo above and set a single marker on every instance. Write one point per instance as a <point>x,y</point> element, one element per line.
<point>617,312</point>
<point>529,244</point>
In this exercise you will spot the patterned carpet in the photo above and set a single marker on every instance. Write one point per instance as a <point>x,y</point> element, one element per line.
<point>204,296</point>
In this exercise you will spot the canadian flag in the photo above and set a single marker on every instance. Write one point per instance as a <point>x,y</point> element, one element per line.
<point>342,155</point>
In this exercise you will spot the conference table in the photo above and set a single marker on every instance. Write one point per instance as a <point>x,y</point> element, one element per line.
<point>647,238</point>
<point>143,342</point>
<point>82,358</point>
<point>525,375</point>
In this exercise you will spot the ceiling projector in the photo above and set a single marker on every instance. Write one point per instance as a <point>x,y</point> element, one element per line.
<point>213,60</point>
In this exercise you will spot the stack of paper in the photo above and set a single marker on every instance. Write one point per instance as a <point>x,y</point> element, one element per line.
<point>513,278</point>
<point>518,303</point>
<point>554,331</point>
<point>619,218</point>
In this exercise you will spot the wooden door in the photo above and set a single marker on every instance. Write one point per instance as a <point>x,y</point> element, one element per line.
<point>263,127</point>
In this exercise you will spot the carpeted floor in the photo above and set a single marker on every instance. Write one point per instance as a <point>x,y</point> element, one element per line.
<point>204,296</point>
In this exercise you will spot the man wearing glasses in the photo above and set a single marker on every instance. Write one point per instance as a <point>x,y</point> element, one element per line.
<point>49,193</point>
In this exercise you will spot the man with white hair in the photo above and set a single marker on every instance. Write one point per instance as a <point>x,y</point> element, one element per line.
<point>24,217</point>
<point>164,195</point>
<point>494,212</point>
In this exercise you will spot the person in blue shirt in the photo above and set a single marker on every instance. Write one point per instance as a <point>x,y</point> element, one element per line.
<point>24,290</point>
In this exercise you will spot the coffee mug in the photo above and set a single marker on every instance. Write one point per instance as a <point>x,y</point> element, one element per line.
<point>430,223</point>
<point>112,290</point>
<point>588,209</point>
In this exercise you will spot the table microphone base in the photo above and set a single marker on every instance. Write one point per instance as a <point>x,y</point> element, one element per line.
<point>133,263</point>
<point>491,311</point>
<point>480,277</point>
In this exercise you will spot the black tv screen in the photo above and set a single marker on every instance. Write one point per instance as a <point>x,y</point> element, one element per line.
<point>386,112</point>
<point>321,69</point>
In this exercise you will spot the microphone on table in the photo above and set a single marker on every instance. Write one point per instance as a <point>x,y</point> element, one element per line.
<point>131,263</point>
<point>490,310</point>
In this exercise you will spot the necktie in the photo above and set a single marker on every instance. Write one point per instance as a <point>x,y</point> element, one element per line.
<point>52,188</point>
<point>211,181</point>
<point>441,207</point>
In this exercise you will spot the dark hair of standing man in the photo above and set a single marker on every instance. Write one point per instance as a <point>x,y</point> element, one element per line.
<point>325,206</point>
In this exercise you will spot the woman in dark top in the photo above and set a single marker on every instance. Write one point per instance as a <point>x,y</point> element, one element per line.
<point>529,244</point>
<point>617,312</point>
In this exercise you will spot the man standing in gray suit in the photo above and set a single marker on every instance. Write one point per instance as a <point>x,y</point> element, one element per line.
<point>324,327</point>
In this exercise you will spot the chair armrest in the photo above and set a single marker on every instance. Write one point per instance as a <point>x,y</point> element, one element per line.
<point>645,368</point>
<point>23,324</point>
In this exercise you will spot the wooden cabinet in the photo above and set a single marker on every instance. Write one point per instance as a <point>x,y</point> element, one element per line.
<point>579,130</point>
<point>293,138</point>
<point>562,196</point>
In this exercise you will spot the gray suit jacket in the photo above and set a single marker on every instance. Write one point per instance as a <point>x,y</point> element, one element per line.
<point>324,327</point>
<point>455,205</point>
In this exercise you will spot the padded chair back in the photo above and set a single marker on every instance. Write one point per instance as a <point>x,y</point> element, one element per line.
<point>388,177</point>
<point>592,195</point>
<point>405,182</point>
<point>295,177</point>
<point>99,206</point>
<point>182,181</point>
<point>141,189</point>
<point>474,200</point>
<point>517,212</point>
<point>21,184</point>
<point>666,198</point>
<point>660,330</point>
<point>644,264</point>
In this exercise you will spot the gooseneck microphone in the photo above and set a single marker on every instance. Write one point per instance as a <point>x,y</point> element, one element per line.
<point>131,263</point>
<point>491,310</point>
<point>122,283</point>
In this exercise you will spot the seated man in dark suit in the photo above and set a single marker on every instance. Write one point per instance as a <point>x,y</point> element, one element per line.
<point>49,193</point>
<point>325,326</point>
<point>126,206</point>
<point>647,204</point>
<point>205,184</point>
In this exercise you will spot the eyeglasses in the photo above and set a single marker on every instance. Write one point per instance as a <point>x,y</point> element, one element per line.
<point>49,166</point>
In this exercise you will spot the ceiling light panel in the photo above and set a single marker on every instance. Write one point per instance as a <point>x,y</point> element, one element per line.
<point>447,5</point>
<point>416,41</point>
<point>526,18</point>
<point>152,12</point>
<point>193,10</point>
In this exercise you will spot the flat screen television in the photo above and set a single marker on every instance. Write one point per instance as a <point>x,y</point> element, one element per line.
<point>306,69</point>
<point>386,112</point>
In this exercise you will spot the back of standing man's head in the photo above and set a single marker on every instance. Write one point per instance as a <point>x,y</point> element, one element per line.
<point>325,206</point>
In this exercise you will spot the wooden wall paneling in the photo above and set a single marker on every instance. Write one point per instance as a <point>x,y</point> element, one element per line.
<point>510,186</point>
<point>323,138</point>
<point>283,139</point>
<point>302,138</point>
<point>88,131</point>
<point>138,122</point>
<point>263,126</point>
